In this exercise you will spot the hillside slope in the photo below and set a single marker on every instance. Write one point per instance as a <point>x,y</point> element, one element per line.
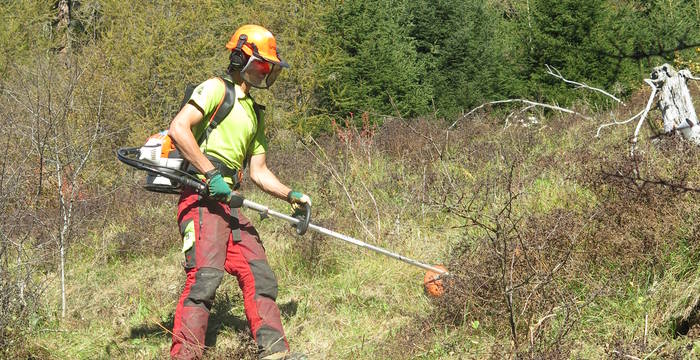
<point>601,263</point>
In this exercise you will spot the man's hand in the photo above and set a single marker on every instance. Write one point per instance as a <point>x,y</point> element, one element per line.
<point>218,188</point>
<point>298,199</point>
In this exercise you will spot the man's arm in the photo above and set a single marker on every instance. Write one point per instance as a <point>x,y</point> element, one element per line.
<point>265,179</point>
<point>181,133</point>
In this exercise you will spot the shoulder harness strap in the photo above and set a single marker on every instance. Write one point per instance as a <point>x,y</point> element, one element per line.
<point>222,110</point>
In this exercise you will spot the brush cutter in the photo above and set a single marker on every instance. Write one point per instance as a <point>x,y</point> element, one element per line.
<point>432,280</point>
<point>300,220</point>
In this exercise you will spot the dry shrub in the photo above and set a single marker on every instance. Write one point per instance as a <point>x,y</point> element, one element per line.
<point>619,349</point>
<point>514,277</point>
<point>417,142</point>
<point>413,143</point>
<point>530,274</point>
<point>149,223</point>
<point>644,202</point>
<point>527,274</point>
<point>530,286</point>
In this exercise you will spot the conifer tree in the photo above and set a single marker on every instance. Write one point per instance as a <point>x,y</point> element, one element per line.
<point>376,63</point>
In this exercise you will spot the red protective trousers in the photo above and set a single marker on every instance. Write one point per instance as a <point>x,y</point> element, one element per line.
<point>223,243</point>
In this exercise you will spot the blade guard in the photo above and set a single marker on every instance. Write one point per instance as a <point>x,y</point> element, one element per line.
<point>304,217</point>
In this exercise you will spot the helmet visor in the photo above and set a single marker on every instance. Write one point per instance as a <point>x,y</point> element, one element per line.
<point>260,73</point>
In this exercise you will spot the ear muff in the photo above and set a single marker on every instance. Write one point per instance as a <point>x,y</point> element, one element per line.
<point>238,58</point>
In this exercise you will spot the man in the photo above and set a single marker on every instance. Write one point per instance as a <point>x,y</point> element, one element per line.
<point>217,238</point>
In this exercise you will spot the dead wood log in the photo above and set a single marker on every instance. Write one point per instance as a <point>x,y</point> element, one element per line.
<point>675,102</point>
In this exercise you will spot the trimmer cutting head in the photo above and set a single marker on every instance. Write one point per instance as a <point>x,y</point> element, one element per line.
<point>432,282</point>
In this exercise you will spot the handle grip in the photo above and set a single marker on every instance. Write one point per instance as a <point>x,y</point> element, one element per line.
<point>200,187</point>
<point>304,219</point>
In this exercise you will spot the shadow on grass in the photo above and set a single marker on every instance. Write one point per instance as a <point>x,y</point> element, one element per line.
<point>221,319</point>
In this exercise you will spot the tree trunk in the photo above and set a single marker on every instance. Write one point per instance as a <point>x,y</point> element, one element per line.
<point>675,102</point>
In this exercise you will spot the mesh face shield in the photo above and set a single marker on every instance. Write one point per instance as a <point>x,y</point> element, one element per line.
<point>260,73</point>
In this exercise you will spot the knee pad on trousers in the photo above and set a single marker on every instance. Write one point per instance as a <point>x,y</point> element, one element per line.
<point>265,281</point>
<point>203,290</point>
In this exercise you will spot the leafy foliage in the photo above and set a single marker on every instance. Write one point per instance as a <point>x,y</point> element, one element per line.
<point>377,64</point>
<point>607,44</point>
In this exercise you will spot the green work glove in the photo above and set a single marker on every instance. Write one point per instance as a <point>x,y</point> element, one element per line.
<point>298,199</point>
<point>218,188</point>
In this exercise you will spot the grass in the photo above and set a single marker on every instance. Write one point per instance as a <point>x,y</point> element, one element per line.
<point>630,257</point>
<point>344,304</point>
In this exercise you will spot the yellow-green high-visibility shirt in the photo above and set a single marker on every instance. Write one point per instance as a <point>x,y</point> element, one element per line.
<point>238,136</point>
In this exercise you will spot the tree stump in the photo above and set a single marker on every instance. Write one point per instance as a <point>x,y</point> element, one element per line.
<point>675,102</point>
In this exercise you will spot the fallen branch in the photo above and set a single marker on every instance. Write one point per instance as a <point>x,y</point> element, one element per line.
<point>524,101</point>
<point>551,70</point>
<point>654,89</point>
<point>615,122</point>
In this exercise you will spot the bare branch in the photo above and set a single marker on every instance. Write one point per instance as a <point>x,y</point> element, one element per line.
<point>376,209</point>
<point>524,101</point>
<point>615,122</point>
<point>551,70</point>
<point>339,181</point>
<point>534,330</point>
<point>654,89</point>
<point>419,133</point>
<point>688,75</point>
<point>653,351</point>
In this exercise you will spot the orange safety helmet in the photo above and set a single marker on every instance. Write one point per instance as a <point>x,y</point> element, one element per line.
<point>257,41</point>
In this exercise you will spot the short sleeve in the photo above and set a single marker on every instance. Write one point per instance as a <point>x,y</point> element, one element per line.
<point>207,95</point>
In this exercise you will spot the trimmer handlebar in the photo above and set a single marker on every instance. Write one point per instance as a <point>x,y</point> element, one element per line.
<point>129,156</point>
<point>304,218</point>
